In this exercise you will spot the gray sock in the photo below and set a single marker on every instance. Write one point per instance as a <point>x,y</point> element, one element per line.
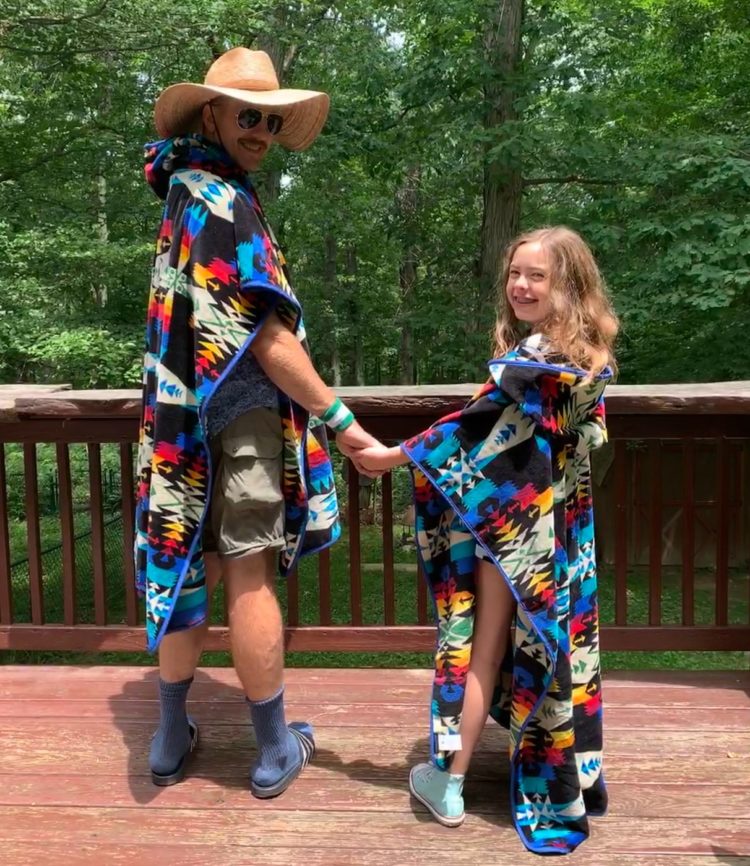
<point>278,748</point>
<point>172,738</point>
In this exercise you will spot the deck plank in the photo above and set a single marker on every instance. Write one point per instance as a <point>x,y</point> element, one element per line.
<point>356,676</point>
<point>410,691</point>
<point>403,830</point>
<point>232,711</point>
<point>202,853</point>
<point>315,793</point>
<point>219,762</point>
<point>121,736</point>
<point>73,774</point>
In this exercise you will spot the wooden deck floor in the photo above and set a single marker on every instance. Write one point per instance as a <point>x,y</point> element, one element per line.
<point>74,787</point>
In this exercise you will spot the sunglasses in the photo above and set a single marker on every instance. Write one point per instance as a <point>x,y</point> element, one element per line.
<point>251,117</point>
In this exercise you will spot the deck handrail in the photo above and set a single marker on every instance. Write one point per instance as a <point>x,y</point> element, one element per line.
<point>664,438</point>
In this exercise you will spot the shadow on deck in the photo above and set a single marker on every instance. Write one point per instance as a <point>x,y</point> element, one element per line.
<point>74,779</point>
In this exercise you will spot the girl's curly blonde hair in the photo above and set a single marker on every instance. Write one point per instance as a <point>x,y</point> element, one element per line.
<point>582,323</point>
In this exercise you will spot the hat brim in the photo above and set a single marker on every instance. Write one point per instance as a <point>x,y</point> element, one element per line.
<point>177,110</point>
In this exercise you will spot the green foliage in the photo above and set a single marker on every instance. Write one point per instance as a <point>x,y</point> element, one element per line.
<point>93,358</point>
<point>632,126</point>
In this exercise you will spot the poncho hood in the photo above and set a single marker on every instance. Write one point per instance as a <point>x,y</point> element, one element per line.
<point>163,158</point>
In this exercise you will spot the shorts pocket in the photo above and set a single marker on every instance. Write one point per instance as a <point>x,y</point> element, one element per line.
<point>251,461</point>
<point>257,433</point>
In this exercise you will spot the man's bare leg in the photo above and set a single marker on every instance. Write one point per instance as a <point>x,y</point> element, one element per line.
<point>179,654</point>
<point>256,632</point>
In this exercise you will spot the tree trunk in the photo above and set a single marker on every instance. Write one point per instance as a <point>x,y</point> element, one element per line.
<point>355,317</point>
<point>282,54</point>
<point>331,289</point>
<point>502,174</point>
<point>102,223</point>
<point>407,200</point>
<point>407,277</point>
<point>336,363</point>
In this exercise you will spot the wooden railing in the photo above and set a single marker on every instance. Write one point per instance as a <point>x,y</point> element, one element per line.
<point>679,458</point>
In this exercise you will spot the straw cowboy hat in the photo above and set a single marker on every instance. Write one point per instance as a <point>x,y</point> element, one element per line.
<point>248,76</point>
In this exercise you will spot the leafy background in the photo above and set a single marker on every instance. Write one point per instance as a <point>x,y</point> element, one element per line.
<point>451,128</point>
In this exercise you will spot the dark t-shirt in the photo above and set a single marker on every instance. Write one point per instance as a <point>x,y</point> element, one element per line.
<point>246,387</point>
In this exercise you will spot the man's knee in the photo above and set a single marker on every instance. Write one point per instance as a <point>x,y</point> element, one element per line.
<point>250,573</point>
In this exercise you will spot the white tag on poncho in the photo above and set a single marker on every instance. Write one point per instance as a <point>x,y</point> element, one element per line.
<point>449,742</point>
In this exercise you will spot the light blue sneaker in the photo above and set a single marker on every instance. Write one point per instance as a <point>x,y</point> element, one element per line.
<point>440,792</point>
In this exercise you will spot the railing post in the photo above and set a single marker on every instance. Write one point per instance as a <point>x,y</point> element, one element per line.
<point>654,416</point>
<point>33,538</point>
<point>6,589</point>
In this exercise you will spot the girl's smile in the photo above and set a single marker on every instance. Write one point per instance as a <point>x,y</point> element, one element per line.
<point>528,287</point>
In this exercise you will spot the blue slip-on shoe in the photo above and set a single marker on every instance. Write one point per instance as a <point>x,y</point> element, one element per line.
<point>304,735</point>
<point>178,774</point>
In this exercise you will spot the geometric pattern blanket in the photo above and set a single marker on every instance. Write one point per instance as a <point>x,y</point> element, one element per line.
<point>218,273</point>
<point>511,473</point>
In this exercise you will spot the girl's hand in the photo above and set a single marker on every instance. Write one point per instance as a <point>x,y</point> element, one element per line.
<point>379,458</point>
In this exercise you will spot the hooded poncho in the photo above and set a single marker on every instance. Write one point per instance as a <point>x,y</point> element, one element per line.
<point>511,473</point>
<point>218,273</point>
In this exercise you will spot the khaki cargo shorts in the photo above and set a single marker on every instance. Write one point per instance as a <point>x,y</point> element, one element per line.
<point>246,511</point>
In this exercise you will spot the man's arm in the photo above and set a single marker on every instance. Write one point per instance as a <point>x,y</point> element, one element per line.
<point>289,367</point>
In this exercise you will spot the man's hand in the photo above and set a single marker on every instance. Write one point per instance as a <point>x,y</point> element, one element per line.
<point>351,441</point>
<point>354,438</point>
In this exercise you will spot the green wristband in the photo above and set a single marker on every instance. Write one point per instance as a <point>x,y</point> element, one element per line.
<point>337,416</point>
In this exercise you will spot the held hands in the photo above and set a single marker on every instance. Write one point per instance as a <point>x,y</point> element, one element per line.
<point>352,441</point>
<point>379,458</point>
<point>370,457</point>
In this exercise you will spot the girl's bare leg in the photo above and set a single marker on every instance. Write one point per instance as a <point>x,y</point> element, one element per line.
<point>494,613</point>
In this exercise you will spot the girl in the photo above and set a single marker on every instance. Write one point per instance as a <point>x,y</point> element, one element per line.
<point>505,531</point>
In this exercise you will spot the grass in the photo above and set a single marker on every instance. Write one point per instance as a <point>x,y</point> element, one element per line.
<point>372,604</point>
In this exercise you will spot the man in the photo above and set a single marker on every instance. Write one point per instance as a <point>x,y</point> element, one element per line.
<point>231,471</point>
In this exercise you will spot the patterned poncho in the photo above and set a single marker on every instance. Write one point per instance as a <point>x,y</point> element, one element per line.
<point>218,273</point>
<point>511,473</point>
